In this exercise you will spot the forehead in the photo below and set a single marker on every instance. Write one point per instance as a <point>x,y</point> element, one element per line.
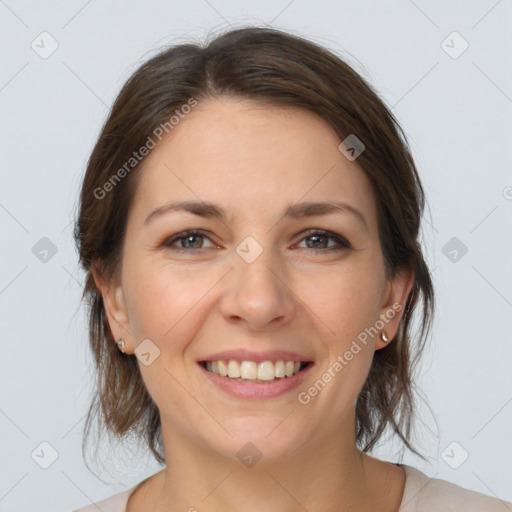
<point>252,159</point>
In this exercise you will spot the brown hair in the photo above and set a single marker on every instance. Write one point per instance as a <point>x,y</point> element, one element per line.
<point>279,68</point>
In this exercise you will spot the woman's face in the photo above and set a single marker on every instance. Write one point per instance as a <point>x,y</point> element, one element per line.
<point>255,279</point>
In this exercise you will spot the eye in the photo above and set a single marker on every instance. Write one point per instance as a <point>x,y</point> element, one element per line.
<point>190,239</point>
<point>320,241</point>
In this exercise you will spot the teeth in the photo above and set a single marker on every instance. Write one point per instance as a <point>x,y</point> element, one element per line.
<point>233,369</point>
<point>248,370</point>
<point>279,369</point>
<point>223,369</point>
<point>265,371</point>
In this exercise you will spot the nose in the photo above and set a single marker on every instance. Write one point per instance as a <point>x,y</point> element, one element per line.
<point>258,294</point>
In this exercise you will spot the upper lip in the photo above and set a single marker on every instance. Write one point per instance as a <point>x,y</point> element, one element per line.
<point>257,357</point>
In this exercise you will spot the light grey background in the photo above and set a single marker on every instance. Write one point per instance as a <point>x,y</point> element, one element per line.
<point>456,112</point>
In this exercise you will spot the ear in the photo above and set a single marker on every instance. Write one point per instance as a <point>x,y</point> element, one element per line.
<point>395,297</point>
<point>115,308</point>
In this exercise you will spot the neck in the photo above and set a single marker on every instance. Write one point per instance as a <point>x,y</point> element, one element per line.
<point>323,475</point>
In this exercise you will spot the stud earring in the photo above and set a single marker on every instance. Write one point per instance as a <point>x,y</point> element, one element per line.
<point>120,345</point>
<point>385,339</point>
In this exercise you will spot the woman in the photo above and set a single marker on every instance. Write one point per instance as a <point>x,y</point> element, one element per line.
<point>249,227</point>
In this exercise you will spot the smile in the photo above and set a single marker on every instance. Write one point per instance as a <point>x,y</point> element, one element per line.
<point>251,371</point>
<point>251,380</point>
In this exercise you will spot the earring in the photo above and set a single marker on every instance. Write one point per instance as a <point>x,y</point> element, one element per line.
<point>385,339</point>
<point>120,345</point>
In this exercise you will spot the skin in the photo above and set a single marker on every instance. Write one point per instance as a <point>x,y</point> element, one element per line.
<point>254,162</point>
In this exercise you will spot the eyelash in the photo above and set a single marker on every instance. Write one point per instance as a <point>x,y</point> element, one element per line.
<point>342,243</point>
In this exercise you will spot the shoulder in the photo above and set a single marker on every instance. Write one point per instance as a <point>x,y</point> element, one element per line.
<point>425,494</point>
<point>116,503</point>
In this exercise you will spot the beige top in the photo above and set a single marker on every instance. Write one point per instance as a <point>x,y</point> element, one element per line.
<point>421,494</point>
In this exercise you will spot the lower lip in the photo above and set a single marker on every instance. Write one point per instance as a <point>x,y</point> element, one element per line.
<point>257,390</point>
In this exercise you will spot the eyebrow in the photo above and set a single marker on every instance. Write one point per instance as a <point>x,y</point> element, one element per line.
<point>294,211</point>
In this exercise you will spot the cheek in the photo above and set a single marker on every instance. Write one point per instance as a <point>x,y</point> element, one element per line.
<point>346,302</point>
<point>163,300</point>
<point>165,307</point>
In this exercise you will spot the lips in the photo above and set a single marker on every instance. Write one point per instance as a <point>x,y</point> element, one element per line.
<point>249,374</point>
<point>256,390</point>
<point>257,357</point>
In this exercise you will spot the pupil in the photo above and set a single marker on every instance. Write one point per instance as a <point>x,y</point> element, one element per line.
<point>191,237</point>
<point>316,238</point>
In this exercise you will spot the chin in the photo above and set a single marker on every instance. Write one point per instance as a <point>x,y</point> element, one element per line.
<point>260,439</point>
